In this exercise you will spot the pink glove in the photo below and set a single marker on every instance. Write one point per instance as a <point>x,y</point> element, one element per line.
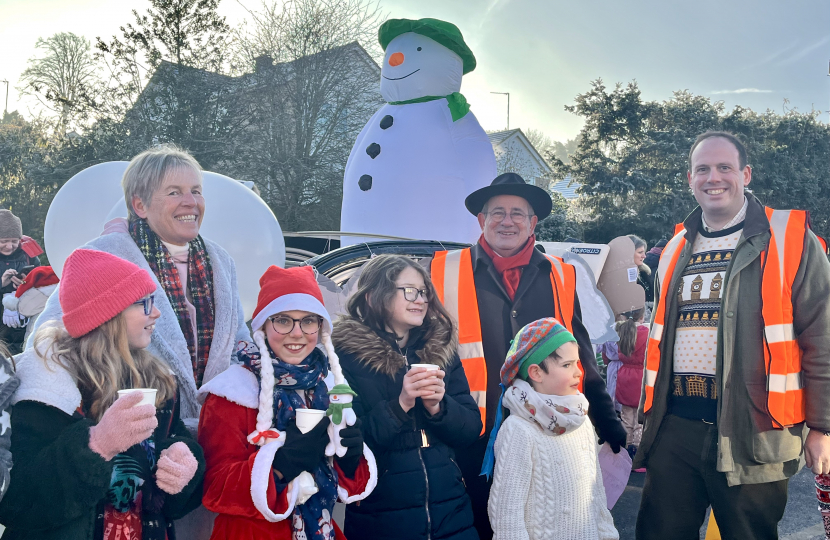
<point>176,468</point>
<point>122,426</point>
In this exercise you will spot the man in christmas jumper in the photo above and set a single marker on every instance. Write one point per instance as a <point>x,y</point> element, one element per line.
<point>736,386</point>
<point>493,290</point>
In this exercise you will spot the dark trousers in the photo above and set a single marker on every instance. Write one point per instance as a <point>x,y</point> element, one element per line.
<point>682,481</point>
<point>478,487</point>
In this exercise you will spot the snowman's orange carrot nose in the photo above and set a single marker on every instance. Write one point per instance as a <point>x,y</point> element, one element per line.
<point>396,59</point>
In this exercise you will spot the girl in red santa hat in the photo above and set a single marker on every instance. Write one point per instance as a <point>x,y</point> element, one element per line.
<point>266,477</point>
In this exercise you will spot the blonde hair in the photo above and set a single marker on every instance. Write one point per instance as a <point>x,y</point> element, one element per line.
<point>102,362</point>
<point>146,172</point>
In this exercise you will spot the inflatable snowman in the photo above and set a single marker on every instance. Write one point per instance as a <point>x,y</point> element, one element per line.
<point>424,151</point>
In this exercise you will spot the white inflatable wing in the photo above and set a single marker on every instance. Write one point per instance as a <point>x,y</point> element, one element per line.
<point>597,315</point>
<point>335,298</point>
<point>78,212</point>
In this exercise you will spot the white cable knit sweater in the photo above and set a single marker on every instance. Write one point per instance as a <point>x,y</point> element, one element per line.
<point>548,487</point>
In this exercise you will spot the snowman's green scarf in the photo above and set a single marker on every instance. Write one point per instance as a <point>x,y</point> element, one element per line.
<point>456,102</point>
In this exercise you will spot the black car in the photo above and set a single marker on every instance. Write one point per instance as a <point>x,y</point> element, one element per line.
<point>339,265</point>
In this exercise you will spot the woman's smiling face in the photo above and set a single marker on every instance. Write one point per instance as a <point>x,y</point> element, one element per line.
<point>177,208</point>
<point>295,346</point>
<point>406,314</point>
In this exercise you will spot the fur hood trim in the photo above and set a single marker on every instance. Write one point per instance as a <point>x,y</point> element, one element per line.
<point>374,352</point>
<point>49,384</point>
<point>236,384</point>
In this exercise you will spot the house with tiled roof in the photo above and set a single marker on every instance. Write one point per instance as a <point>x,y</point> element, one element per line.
<point>567,188</point>
<point>515,153</point>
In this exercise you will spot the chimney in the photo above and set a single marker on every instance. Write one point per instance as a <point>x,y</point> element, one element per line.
<point>262,62</point>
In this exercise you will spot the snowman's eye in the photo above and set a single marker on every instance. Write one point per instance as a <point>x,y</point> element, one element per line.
<point>419,48</point>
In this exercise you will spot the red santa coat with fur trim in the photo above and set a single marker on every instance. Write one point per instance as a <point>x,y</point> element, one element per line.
<point>236,470</point>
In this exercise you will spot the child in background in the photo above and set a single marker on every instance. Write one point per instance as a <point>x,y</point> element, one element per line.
<point>88,463</point>
<point>633,334</point>
<point>547,482</point>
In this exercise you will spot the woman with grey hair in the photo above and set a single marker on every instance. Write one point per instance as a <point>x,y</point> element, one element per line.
<point>196,287</point>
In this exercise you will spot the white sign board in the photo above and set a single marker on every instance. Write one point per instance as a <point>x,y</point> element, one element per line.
<point>593,254</point>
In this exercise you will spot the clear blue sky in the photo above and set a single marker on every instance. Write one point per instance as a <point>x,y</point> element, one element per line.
<point>753,53</point>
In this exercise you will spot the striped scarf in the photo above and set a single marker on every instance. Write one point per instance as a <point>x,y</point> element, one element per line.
<point>199,285</point>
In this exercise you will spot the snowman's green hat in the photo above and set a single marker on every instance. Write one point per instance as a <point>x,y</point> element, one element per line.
<point>447,34</point>
<point>342,389</point>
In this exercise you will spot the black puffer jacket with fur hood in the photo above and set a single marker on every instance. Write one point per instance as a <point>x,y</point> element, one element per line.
<point>420,493</point>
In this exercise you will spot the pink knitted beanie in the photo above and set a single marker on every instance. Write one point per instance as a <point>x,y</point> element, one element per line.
<point>96,286</point>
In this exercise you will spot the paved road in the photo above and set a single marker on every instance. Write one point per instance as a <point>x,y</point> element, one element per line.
<point>802,520</point>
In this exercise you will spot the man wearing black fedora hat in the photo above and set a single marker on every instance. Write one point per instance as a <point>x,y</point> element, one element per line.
<point>495,288</point>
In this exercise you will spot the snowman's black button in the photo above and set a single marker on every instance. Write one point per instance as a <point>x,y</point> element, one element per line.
<point>373,150</point>
<point>365,183</point>
<point>386,122</point>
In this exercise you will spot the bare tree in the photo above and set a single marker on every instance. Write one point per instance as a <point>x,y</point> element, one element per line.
<point>562,151</point>
<point>294,29</point>
<point>62,78</point>
<point>539,140</point>
<point>314,88</point>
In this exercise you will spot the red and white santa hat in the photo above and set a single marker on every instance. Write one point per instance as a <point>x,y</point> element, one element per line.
<point>42,276</point>
<point>280,290</point>
<point>288,289</point>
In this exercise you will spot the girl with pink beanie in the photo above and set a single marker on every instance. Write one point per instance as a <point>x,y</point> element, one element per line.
<point>270,474</point>
<point>88,463</point>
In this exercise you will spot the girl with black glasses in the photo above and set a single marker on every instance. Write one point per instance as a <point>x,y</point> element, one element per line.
<point>397,347</point>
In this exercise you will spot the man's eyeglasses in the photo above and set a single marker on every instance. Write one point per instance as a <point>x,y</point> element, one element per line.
<point>283,324</point>
<point>147,302</point>
<point>516,217</point>
<point>411,293</point>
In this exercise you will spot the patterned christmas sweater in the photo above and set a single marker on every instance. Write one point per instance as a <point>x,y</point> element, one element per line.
<point>695,388</point>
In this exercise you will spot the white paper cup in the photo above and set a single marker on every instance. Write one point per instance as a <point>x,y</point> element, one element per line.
<point>430,367</point>
<point>308,418</point>
<point>148,395</point>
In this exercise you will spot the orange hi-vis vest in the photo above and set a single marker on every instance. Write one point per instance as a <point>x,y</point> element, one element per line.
<point>452,276</point>
<point>782,355</point>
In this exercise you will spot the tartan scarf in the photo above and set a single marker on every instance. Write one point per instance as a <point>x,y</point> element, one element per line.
<point>199,285</point>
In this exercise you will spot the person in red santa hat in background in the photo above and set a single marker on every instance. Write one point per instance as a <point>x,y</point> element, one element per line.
<point>265,477</point>
<point>30,297</point>
<point>18,255</point>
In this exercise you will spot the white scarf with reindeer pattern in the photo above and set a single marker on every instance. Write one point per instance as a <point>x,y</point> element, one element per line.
<point>559,414</point>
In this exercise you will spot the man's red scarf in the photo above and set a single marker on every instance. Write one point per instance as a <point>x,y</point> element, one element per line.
<point>510,268</point>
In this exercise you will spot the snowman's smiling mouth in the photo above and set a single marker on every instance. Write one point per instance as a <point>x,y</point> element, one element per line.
<point>404,77</point>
